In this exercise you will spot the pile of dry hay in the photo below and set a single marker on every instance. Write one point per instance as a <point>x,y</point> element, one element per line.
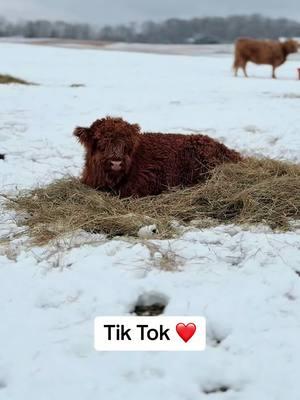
<point>252,191</point>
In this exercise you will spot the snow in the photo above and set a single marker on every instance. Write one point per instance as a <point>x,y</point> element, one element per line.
<point>244,281</point>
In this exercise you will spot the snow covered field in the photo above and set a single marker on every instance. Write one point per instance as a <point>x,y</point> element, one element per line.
<point>245,282</point>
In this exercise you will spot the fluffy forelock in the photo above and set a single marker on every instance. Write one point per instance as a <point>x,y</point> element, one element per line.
<point>114,125</point>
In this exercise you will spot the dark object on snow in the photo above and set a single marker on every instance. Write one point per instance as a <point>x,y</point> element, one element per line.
<point>149,311</point>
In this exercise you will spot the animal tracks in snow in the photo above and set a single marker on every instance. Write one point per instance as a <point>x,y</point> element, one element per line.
<point>150,303</point>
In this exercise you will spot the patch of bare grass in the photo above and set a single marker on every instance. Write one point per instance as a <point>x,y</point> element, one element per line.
<point>77,85</point>
<point>290,96</point>
<point>250,192</point>
<point>8,79</point>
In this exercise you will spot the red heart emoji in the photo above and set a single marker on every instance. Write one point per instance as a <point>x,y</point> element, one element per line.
<point>186,332</point>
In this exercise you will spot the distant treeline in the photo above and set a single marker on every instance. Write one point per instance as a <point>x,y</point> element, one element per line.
<point>196,30</point>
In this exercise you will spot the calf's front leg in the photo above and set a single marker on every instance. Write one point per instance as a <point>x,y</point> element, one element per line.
<point>141,185</point>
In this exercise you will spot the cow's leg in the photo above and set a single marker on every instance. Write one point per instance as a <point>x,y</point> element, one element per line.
<point>244,69</point>
<point>273,72</point>
<point>236,67</point>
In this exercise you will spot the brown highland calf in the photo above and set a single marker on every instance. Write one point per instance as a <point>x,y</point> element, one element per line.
<point>122,160</point>
<point>271,52</point>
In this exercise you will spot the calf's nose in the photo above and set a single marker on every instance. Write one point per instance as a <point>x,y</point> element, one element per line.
<point>116,165</point>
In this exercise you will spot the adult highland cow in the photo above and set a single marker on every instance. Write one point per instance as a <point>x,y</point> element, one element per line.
<point>122,160</point>
<point>271,52</point>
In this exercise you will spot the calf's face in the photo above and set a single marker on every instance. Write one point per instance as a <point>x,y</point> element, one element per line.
<point>111,143</point>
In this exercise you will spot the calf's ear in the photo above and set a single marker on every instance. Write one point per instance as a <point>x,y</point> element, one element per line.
<point>137,128</point>
<point>83,134</point>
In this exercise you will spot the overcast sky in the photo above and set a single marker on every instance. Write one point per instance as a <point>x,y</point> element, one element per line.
<point>101,12</point>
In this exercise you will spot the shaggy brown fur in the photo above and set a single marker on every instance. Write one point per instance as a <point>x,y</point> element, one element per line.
<point>122,160</point>
<point>270,52</point>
